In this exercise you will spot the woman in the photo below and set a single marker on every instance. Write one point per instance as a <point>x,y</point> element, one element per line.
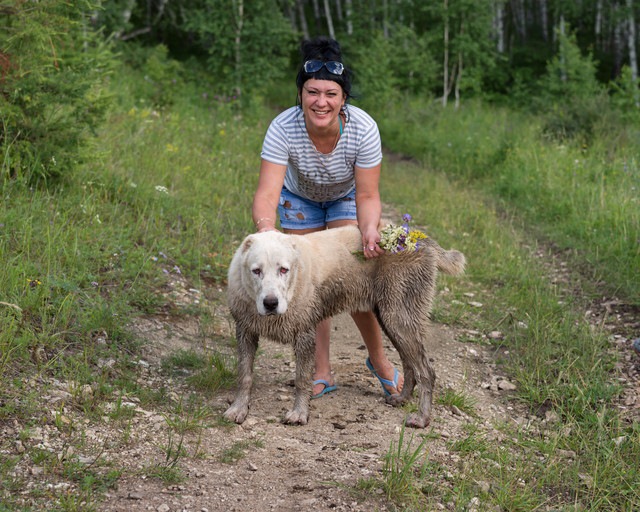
<point>320,169</point>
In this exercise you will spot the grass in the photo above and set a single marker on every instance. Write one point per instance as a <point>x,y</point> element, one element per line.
<point>167,203</point>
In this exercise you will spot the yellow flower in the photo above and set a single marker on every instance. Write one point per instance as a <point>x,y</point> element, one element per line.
<point>416,235</point>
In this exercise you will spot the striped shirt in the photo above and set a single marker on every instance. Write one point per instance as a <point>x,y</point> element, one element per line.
<point>314,175</point>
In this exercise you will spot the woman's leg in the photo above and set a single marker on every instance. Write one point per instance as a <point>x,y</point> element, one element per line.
<point>296,222</point>
<point>372,337</point>
<point>323,361</point>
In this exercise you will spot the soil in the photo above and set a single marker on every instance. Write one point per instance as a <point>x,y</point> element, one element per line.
<point>317,466</point>
<point>289,468</point>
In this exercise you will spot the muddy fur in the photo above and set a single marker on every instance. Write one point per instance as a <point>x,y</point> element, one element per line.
<point>281,286</point>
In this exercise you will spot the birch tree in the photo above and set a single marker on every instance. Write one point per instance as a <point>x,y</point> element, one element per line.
<point>631,41</point>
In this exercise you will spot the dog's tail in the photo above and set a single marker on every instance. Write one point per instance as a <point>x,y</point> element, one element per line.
<point>451,262</point>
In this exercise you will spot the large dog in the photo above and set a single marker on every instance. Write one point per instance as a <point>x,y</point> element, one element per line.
<point>281,286</point>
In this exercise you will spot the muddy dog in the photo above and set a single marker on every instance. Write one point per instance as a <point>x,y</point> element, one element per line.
<point>281,286</point>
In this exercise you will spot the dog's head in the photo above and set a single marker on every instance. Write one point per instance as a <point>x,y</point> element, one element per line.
<point>269,265</point>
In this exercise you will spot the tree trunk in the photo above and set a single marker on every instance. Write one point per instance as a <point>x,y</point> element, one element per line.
<point>291,14</point>
<point>631,42</point>
<point>458,78</point>
<point>348,10</point>
<point>563,64</point>
<point>339,10</point>
<point>498,25</point>
<point>544,19</point>
<point>239,5</point>
<point>385,18</point>
<point>445,66</point>
<point>519,19</point>
<point>303,20</point>
<point>316,15</point>
<point>618,43</point>
<point>327,12</point>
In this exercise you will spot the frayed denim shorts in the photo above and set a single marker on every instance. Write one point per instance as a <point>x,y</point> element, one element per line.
<point>299,213</point>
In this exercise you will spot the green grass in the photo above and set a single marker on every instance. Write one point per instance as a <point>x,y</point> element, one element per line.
<point>580,196</point>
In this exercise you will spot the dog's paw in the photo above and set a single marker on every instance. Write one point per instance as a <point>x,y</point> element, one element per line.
<point>236,413</point>
<point>396,400</point>
<point>417,421</point>
<point>296,417</point>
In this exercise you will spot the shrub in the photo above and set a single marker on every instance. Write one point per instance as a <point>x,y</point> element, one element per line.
<point>51,95</point>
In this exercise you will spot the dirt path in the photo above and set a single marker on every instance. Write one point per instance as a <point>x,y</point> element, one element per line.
<point>313,467</point>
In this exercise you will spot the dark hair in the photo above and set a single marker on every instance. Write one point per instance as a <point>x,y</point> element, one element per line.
<point>324,49</point>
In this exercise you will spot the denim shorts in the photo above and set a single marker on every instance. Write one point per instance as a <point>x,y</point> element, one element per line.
<point>299,213</point>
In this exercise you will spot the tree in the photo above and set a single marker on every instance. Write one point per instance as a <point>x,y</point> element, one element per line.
<point>247,46</point>
<point>51,93</point>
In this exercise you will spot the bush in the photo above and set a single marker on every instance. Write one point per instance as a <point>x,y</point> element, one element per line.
<point>51,95</point>
<point>571,99</point>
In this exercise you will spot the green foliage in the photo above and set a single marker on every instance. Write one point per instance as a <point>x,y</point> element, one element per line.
<point>570,94</point>
<point>626,96</point>
<point>162,77</point>
<point>52,99</point>
<point>248,43</point>
<point>373,84</point>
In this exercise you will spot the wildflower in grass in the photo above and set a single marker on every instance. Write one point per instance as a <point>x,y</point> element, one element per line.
<point>33,283</point>
<point>162,189</point>
<point>171,148</point>
<point>396,239</point>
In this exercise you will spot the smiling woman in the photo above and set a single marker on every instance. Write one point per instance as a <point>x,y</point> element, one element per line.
<point>320,169</point>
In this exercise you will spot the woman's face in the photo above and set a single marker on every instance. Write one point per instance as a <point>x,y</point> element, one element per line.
<point>321,103</point>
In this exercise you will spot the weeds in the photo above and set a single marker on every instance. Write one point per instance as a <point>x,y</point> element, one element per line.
<point>238,450</point>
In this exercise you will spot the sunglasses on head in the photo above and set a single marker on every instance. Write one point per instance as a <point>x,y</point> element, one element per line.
<point>333,66</point>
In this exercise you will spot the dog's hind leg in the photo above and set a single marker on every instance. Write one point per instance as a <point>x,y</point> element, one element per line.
<point>407,338</point>
<point>304,350</point>
<point>247,346</point>
<point>425,382</point>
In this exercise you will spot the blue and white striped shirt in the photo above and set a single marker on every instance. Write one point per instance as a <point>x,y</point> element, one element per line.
<point>314,175</point>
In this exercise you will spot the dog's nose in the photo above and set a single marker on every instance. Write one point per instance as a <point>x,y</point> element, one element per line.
<point>270,303</point>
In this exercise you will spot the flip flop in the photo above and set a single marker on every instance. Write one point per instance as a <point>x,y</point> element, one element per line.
<point>384,382</point>
<point>328,388</point>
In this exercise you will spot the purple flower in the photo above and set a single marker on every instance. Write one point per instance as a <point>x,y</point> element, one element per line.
<point>406,218</point>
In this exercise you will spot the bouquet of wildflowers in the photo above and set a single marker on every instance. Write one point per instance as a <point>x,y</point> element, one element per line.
<point>396,239</point>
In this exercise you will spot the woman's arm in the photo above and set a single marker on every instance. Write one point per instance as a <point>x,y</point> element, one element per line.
<point>369,208</point>
<point>265,200</point>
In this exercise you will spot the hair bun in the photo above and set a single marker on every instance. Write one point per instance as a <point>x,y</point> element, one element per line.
<point>323,48</point>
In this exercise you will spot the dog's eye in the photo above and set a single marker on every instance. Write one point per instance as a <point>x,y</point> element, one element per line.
<point>257,271</point>
<point>284,270</point>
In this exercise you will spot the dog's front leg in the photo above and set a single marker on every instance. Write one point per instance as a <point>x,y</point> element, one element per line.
<point>304,350</point>
<point>247,346</point>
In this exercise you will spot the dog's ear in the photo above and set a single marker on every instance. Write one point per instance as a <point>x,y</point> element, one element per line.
<point>246,245</point>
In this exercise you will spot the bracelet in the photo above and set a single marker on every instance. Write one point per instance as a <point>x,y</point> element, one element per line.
<point>261,219</point>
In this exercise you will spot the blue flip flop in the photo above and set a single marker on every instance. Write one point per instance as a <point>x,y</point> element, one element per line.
<point>383,382</point>
<point>328,388</point>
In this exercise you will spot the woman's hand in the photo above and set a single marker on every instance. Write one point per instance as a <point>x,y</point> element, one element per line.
<point>370,247</point>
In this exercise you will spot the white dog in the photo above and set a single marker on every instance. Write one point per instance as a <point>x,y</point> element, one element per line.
<point>281,286</point>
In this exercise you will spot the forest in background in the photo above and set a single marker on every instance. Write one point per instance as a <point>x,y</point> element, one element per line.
<point>572,59</point>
